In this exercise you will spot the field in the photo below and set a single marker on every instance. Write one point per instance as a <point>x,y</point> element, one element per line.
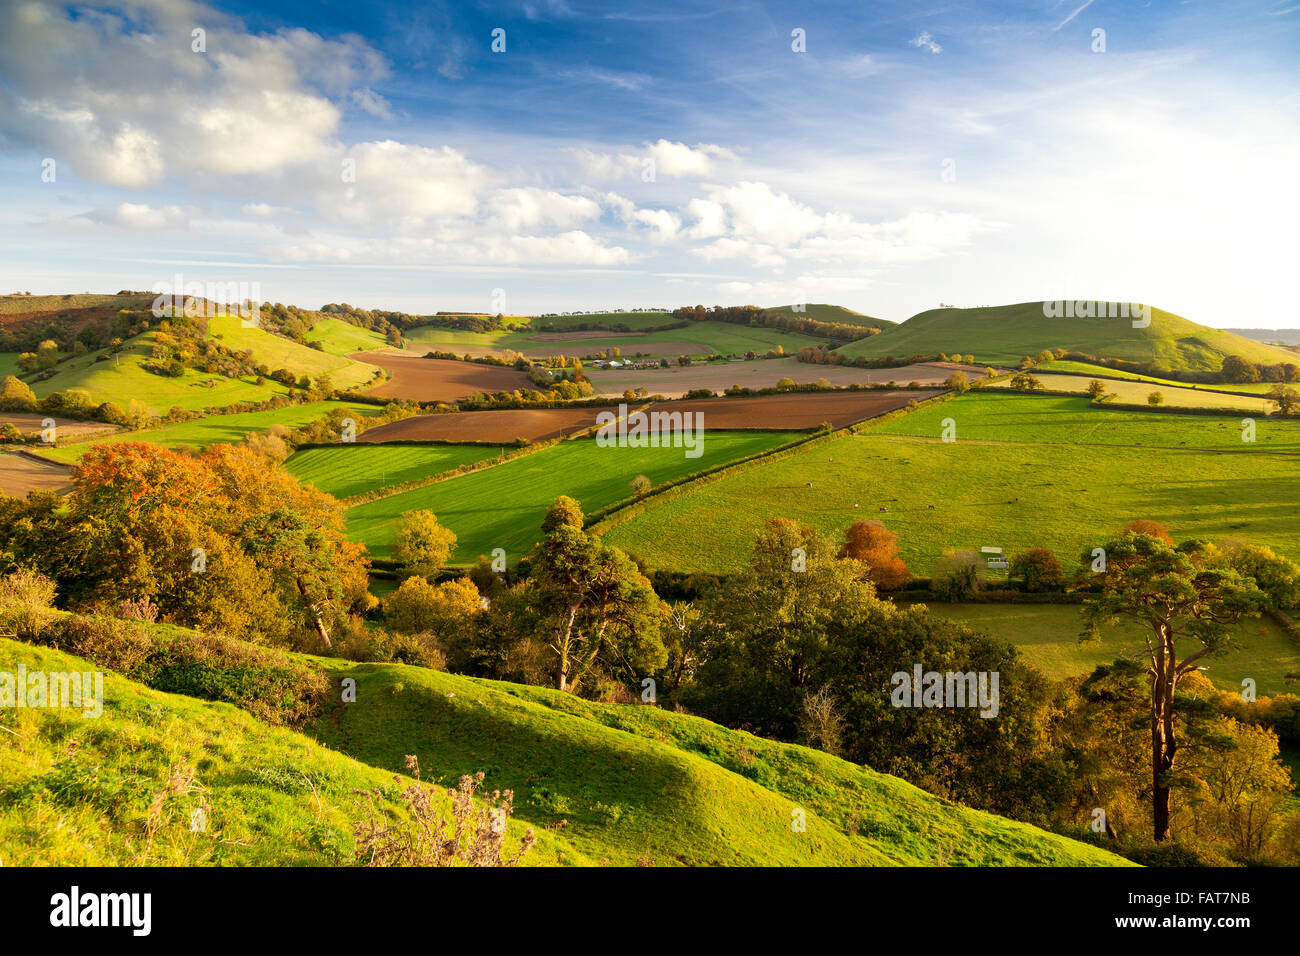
<point>794,411</point>
<point>342,338</point>
<point>676,380</point>
<point>1024,471</point>
<point>503,506</point>
<point>351,469</point>
<point>495,425</point>
<point>1105,374</point>
<point>635,783</point>
<point>65,428</point>
<point>1135,393</point>
<point>696,339</point>
<point>202,432</point>
<point>1048,636</point>
<point>21,473</point>
<point>439,380</point>
<point>1006,333</point>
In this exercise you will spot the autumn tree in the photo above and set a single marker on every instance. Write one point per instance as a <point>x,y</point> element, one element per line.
<point>1176,599</point>
<point>1039,569</point>
<point>1146,526</point>
<point>875,547</point>
<point>423,546</point>
<point>1096,388</point>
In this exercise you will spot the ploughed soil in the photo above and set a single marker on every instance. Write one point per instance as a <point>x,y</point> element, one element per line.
<point>763,373</point>
<point>21,473</point>
<point>497,425</point>
<point>65,428</point>
<point>438,380</point>
<point>794,410</point>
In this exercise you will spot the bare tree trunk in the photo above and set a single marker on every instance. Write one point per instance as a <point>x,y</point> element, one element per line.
<point>315,615</point>
<point>1163,744</point>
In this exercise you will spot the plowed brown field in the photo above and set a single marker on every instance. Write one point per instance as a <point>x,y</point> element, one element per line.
<point>438,380</point>
<point>806,410</point>
<point>503,425</point>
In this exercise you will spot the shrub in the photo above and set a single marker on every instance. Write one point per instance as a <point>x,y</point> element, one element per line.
<point>26,602</point>
<point>1039,569</point>
<point>956,578</point>
<point>446,827</point>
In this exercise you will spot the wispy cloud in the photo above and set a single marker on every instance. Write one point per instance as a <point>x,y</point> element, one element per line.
<point>1086,5</point>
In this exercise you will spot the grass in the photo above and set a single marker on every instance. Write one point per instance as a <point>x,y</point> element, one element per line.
<point>633,783</point>
<point>277,352</point>
<point>352,469</point>
<point>1006,333</point>
<point>503,506</point>
<point>832,313</point>
<point>340,338</point>
<point>703,337</point>
<point>636,782</point>
<point>1070,420</point>
<point>77,792</point>
<point>1135,392</point>
<point>1048,636</point>
<point>121,378</point>
<point>202,432</point>
<point>1024,471</point>
<point>1103,373</point>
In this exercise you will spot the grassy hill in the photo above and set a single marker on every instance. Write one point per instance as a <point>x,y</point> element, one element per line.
<point>23,304</point>
<point>832,313</point>
<point>77,791</point>
<point>1006,333</point>
<point>632,782</point>
<point>120,378</point>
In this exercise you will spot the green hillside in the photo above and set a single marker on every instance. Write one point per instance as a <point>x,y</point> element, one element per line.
<point>832,313</point>
<point>278,352</point>
<point>640,782</point>
<point>1006,333</point>
<point>78,791</point>
<point>19,304</point>
<point>633,783</point>
<point>121,377</point>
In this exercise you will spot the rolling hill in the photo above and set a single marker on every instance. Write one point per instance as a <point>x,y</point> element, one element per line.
<point>633,783</point>
<point>1004,334</point>
<point>832,313</point>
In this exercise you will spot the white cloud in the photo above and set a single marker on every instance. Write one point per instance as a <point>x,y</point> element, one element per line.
<point>130,215</point>
<point>527,208</point>
<point>924,40</point>
<point>665,158</point>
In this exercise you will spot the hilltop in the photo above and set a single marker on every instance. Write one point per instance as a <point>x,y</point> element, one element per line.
<point>832,313</point>
<point>633,782</point>
<point>1006,333</point>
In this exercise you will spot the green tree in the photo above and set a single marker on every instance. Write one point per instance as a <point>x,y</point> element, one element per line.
<point>1176,599</point>
<point>595,605</point>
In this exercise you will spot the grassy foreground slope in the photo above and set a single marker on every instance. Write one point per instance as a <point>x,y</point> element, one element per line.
<point>638,782</point>
<point>77,791</point>
<point>1006,333</point>
<point>633,783</point>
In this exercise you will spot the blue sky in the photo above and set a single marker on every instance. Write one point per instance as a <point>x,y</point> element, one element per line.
<point>619,155</point>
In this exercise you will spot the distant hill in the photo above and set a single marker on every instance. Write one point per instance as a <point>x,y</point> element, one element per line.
<point>1283,336</point>
<point>1005,333</point>
<point>54,304</point>
<point>832,313</point>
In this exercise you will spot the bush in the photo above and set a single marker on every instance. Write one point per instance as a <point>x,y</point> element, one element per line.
<point>1039,569</point>
<point>267,683</point>
<point>26,602</point>
<point>957,576</point>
